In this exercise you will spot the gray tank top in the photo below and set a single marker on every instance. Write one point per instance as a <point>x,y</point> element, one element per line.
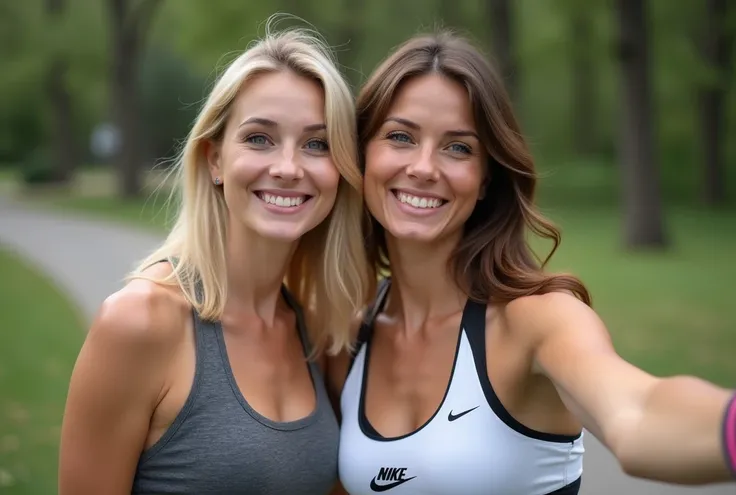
<point>218,444</point>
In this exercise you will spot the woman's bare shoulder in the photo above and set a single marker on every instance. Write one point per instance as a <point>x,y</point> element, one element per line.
<point>144,312</point>
<point>534,318</point>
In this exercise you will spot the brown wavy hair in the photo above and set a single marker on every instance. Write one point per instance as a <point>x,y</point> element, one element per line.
<point>493,260</point>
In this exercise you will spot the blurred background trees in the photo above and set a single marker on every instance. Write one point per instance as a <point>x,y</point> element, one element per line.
<point>625,102</point>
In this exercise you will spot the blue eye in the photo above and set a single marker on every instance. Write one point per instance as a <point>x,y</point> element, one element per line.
<point>400,137</point>
<point>460,148</point>
<point>258,140</point>
<point>318,145</point>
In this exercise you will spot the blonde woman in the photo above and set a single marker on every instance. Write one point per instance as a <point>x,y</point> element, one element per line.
<point>198,376</point>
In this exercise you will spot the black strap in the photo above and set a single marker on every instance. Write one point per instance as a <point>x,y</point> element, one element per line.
<point>301,323</point>
<point>474,320</point>
<point>366,326</point>
<point>373,310</point>
<point>474,325</point>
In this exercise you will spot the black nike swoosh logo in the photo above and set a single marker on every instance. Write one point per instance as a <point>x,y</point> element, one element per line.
<point>382,488</point>
<point>453,417</point>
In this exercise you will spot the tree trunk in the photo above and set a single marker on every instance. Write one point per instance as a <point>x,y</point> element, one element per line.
<point>126,117</point>
<point>583,83</point>
<point>64,151</point>
<point>502,40</point>
<point>128,28</point>
<point>643,222</point>
<point>716,50</point>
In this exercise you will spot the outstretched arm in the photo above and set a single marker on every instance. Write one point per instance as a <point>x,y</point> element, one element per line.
<point>666,429</point>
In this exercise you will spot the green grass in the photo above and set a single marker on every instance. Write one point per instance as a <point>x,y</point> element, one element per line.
<point>8,173</point>
<point>670,312</point>
<point>93,192</point>
<point>41,335</point>
<point>148,212</point>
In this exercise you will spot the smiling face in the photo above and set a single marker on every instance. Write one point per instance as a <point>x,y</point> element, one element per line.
<point>273,160</point>
<point>424,168</point>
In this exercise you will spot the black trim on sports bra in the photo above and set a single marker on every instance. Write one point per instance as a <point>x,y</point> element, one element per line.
<point>366,327</point>
<point>365,425</point>
<point>474,324</point>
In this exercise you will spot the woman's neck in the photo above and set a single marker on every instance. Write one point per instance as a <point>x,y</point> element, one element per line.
<point>255,268</point>
<point>423,285</point>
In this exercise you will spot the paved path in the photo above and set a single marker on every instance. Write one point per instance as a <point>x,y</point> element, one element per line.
<point>86,257</point>
<point>89,259</point>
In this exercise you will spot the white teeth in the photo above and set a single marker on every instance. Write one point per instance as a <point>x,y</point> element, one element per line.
<point>288,202</point>
<point>418,202</point>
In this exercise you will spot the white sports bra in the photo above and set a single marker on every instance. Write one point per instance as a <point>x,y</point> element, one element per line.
<point>470,446</point>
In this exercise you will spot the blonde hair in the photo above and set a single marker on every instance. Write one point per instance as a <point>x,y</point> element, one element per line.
<point>329,273</point>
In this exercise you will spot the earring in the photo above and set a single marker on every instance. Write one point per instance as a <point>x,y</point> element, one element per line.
<point>217,181</point>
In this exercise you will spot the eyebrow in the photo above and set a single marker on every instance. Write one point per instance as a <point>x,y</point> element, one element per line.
<point>404,122</point>
<point>271,123</point>
<point>417,127</point>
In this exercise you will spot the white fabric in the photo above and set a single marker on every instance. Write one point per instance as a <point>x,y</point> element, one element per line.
<point>476,454</point>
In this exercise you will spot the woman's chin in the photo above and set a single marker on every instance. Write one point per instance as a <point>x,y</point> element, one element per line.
<point>422,232</point>
<point>278,233</point>
<point>415,234</point>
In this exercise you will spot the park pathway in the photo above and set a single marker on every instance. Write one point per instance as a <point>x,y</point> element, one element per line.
<point>89,258</point>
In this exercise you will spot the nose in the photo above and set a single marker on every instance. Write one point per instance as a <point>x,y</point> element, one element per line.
<point>424,167</point>
<point>287,168</point>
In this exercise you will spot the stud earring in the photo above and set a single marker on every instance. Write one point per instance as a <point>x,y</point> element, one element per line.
<point>217,181</point>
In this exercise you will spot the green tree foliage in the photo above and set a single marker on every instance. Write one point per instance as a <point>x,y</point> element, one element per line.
<point>192,40</point>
